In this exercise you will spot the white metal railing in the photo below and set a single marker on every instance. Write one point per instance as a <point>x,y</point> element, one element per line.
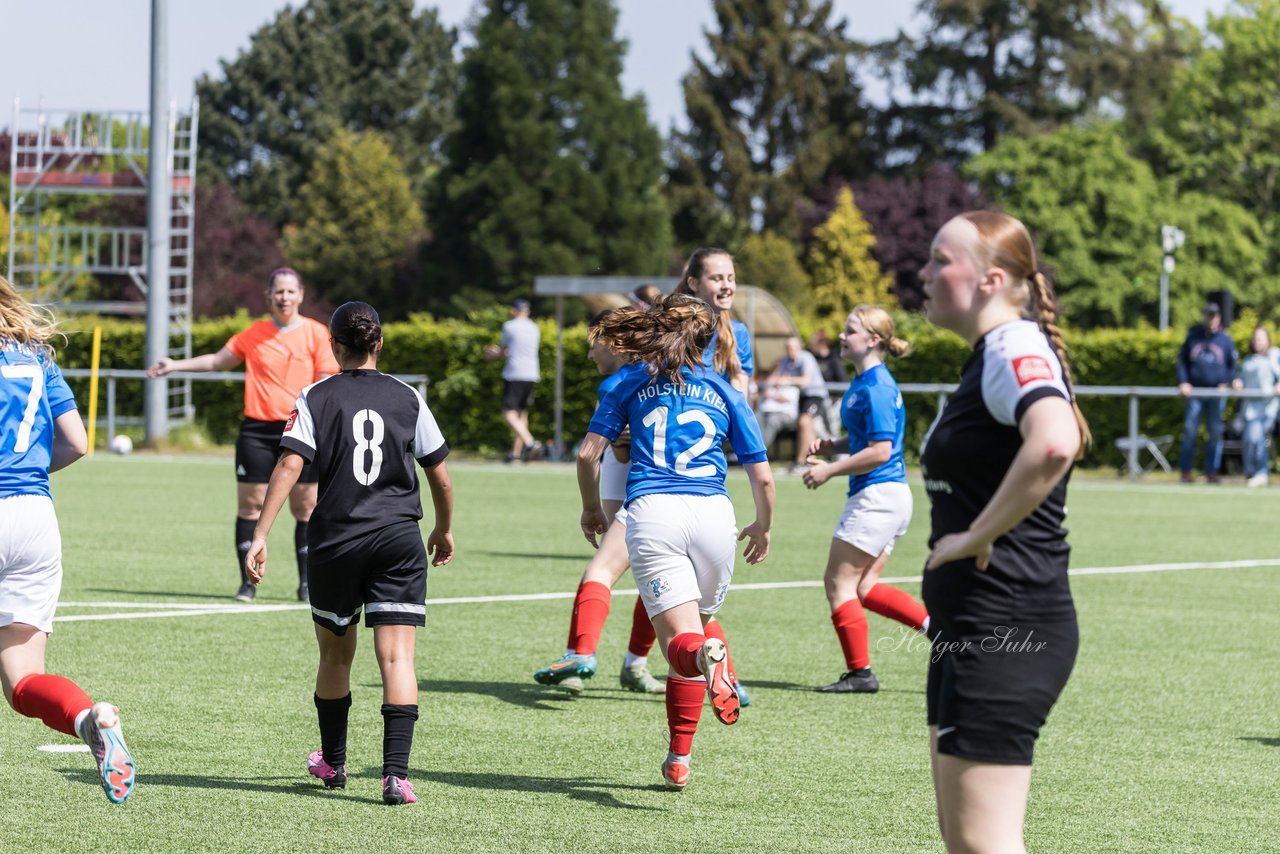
<point>1132,392</point>
<point>112,376</point>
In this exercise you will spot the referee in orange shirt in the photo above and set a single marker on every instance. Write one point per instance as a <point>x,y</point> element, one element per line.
<point>281,356</point>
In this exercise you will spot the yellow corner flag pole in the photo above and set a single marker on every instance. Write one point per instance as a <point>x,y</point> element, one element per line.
<point>93,383</point>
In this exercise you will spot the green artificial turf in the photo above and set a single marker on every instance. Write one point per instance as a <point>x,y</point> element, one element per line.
<point>1167,737</point>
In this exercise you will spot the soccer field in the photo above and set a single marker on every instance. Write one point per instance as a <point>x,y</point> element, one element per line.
<point>1167,738</point>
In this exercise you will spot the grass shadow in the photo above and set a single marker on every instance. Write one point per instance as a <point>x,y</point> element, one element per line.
<point>291,785</point>
<point>582,557</point>
<point>1269,741</point>
<point>812,689</point>
<point>592,790</point>
<point>527,695</point>
<point>169,593</point>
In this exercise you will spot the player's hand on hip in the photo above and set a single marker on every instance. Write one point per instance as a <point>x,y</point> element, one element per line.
<point>958,546</point>
<point>440,547</point>
<point>255,562</point>
<point>758,543</point>
<point>594,523</point>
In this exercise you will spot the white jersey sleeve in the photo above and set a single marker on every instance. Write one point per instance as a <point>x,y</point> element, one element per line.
<point>1019,367</point>
<point>428,441</point>
<point>300,430</point>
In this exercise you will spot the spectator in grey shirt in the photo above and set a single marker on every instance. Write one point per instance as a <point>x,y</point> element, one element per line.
<point>520,339</point>
<point>799,368</point>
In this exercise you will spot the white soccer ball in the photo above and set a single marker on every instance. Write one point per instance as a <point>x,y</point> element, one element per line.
<point>121,444</point>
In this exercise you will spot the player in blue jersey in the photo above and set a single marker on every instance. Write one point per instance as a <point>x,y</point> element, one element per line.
<point>42,434</point>
<point>680,523</point>
<point>710,276</point>
<point>607,565</point>
<point>878,508</point>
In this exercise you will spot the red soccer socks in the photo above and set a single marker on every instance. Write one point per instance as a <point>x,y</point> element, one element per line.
<point>896,605</point>
<point>850,622</point>
<point>55,700</point>
<point>590,610</point>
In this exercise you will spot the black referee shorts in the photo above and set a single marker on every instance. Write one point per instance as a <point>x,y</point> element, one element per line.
<point>384,573</point>
<point>258,448</point>
<point>814,407</point>
<point>990,688</point>
<point>517,395</point>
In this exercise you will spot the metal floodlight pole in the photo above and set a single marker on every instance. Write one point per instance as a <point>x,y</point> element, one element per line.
<point>159,188</point>
<point>1171,240</point>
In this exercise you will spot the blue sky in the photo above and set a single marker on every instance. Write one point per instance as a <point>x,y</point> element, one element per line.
<point>94,54</point>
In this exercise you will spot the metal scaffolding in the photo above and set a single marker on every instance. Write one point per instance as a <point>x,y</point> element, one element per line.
<point>100,153</point>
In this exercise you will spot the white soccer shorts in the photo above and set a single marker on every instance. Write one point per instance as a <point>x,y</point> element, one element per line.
<point>613,477</point>
<point>30,561</point>
<point>681,549</point>
<point>875,517</point>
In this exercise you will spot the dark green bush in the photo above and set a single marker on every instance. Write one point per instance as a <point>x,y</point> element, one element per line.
<point>466,391</point>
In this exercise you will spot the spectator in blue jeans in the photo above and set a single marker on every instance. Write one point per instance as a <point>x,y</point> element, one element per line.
<point>1207,360</point>
<point>1259,371</point>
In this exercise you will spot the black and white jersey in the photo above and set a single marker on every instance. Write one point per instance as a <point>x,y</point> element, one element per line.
<point>363,430</point>
<point>965,456</point>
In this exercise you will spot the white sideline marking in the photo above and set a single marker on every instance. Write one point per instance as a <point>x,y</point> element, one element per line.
<point>189,610</point>
<point>63,748</point>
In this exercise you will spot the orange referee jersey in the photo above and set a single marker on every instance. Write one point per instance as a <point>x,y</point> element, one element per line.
<point>280,363</point>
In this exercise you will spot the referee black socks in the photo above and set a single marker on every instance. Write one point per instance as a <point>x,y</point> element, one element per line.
<point>300,549</point>
<point>333,728</point>
<point>244,538</point>
<point>397,738</point>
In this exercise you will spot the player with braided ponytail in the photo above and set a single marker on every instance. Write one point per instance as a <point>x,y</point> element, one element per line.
<point>996,464</point>
<point>680,522</point>
<point>1046,308</point>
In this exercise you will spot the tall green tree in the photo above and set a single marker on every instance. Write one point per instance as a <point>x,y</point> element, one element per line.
<point>1096,212</point>
<point>552,169</point>
<point>774,111</point>
<point>328,64</point>
<point>357,219</point>
<point>1219,132</point>
<point>844,271</point>
<point>984,68</point>
<point>771,262</point>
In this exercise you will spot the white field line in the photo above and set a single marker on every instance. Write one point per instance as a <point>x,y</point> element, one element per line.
<point>189,610</point>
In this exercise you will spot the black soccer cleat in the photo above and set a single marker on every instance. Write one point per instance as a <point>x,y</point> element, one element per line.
<point>853,682</point>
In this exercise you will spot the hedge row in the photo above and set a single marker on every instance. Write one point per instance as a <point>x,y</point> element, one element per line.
<point>465,389</point>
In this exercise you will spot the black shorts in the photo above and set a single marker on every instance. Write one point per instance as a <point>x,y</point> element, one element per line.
<point>258,448</point>
<point>814,407</point>
<point>517,395</point>
<point>384,572</point>
<point>990,689</point>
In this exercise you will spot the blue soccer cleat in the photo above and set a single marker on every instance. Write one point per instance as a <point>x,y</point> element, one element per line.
<point>744,699</point>
<point>100,729</point>
<point>570,665</point>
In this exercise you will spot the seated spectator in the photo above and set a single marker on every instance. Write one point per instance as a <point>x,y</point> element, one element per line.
<point>777,408</point>
<point>799,369</point>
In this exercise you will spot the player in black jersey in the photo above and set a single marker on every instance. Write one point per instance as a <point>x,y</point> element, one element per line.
<point>364,430</point>
<point>996,464</point>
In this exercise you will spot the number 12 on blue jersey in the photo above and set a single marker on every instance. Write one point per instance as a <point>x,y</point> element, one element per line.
<point>657,421</point>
